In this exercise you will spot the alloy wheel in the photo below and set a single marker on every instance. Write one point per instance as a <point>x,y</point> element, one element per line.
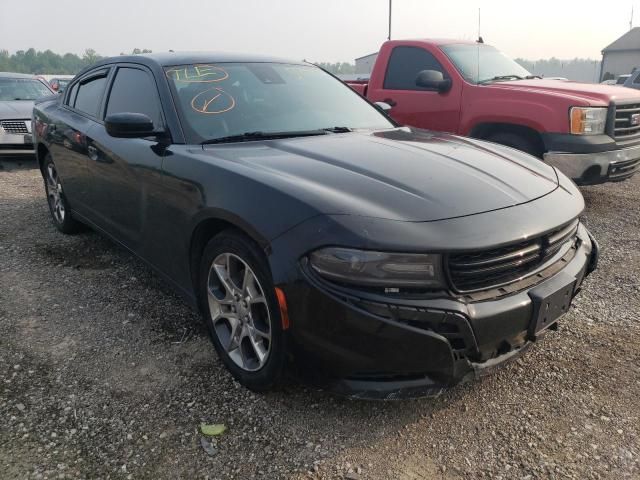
<point>239,311</point>
<point>54,194</point>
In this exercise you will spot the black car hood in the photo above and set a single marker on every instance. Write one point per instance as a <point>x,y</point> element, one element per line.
<point>401,174</point>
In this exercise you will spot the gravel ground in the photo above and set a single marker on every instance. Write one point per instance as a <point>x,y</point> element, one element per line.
<point>106,374</point>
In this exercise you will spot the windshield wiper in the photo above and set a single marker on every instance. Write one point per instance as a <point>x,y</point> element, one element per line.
<point>249,136</point>
<point>532,77</point>
<point>337,129</point>
<point>499,78</point>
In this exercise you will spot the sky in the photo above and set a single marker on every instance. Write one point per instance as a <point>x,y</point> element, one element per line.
<point>315,30</point>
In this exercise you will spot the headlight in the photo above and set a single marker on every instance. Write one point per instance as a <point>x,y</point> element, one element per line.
<point>588,121</point>
<point>378,269</point>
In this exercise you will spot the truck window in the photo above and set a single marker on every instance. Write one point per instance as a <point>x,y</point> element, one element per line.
<point>90,94</point>
<point>134,91</point>
<point>404,65</point>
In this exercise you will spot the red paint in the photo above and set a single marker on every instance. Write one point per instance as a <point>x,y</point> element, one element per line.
<point>542,105</point>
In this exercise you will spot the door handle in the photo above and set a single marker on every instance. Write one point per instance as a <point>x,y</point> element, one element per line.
<point>390,101</point>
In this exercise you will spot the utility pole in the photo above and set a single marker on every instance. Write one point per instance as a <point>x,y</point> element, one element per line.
<point>389,37</point>
<point>631,19</point>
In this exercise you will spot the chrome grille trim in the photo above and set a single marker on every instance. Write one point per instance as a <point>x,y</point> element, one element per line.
<point>14,127</point>
<point>622,127</point>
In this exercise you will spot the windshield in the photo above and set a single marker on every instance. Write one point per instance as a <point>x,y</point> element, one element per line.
<point>22,89</point>
<point>227,99</point>
<point>481,63</point>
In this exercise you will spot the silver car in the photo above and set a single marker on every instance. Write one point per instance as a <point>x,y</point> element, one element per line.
<point>17,95</point>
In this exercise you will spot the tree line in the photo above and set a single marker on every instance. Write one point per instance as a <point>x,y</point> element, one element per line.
<point>48,62</point>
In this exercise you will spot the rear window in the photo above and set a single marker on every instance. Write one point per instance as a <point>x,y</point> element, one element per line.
<point>89,95</point>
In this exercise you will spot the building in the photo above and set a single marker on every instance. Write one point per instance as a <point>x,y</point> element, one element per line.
<point>364,65</point>
<point>622,56</point>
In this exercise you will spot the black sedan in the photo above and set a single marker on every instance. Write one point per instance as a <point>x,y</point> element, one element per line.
<point>315,235</point>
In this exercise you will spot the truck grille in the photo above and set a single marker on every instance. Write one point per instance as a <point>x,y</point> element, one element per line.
<point>14,126</point>
<point>627,121</point>
<point>473,271</point>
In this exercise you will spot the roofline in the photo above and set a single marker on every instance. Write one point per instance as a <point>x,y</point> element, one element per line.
<point>609,50</point>
<point>168,59</point>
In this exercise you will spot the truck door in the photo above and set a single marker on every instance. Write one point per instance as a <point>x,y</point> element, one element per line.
<point>413,105</point>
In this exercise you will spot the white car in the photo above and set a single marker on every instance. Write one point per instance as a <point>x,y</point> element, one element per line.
<point>18,93</point>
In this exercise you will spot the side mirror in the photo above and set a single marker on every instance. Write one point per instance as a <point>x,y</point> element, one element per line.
<point>129,125</point>
<point>433,80</point>
<point>383,107</point>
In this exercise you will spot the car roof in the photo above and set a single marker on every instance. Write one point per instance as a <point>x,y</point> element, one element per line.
<point>440,41</point>
<point>165,59</point>
<point>16,75</point>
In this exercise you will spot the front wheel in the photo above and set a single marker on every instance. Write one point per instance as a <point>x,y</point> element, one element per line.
<point>58,206</point>
<point>241,310</point>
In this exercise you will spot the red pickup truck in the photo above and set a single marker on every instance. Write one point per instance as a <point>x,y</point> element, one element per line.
<point>591,132</point>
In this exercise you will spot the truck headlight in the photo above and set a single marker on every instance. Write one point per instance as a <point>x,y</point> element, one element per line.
<point>588,121</point>
<point>378,269</point>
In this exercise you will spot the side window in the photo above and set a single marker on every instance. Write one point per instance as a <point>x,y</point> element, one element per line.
<point>404,65</point>
<point>636,80</point>
<point>90,94</point>
<point>134,91</point>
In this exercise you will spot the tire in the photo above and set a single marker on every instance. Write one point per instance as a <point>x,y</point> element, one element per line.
<point>233,302</point>
<point>58,205</point>
<point>514,140</point>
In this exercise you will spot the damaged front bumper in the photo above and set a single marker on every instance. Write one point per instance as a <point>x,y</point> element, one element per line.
<point>375,347</point>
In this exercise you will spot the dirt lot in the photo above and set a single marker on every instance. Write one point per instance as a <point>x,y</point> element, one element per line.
<point>106,374</point>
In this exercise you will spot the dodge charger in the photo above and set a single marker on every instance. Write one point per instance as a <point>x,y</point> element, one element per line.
<point>316,235</point>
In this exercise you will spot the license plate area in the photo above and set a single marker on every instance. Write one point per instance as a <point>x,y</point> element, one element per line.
<point>550,300</point>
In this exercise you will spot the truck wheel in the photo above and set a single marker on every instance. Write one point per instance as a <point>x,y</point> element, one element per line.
<point>514,140</point>
<point>58,205</point>
<point>241,310</point>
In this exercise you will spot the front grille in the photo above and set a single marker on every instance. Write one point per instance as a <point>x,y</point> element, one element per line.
<point>14,126</point>
<point>481,270</point>
<point>627,121</point>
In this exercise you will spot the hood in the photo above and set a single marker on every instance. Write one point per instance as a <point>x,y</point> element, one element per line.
<point>593,93</point>
<point>402,174</point>
<point>16,109</point>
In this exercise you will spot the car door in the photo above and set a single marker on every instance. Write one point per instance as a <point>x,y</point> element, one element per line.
<point>68,135</point>
<point>126,171</point>
<point>413,105</point>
